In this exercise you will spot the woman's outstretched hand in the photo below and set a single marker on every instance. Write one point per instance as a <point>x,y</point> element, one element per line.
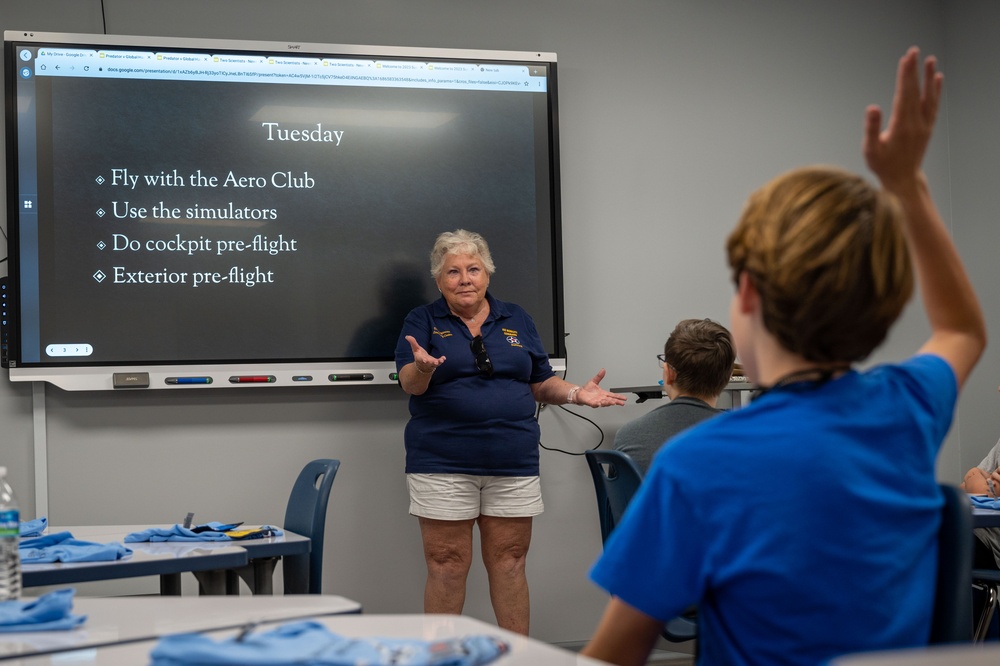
<point>592,395</point>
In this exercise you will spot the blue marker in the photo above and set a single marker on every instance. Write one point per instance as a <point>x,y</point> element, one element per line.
<point>188,380</point>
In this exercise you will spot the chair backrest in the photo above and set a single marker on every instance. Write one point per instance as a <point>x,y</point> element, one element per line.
<point>616,478</point>
<point>306,515</point>
<point>952,620</point>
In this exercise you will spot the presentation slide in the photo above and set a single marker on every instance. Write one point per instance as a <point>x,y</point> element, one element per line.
<point>214,221</point>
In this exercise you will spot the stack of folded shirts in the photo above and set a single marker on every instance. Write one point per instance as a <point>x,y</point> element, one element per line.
<point>49,612</point>
<point>206,532</point>
<point>62,547</point>
<point>310,642</point>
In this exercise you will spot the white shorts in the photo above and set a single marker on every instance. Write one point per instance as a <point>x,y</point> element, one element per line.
<point>464,496</point>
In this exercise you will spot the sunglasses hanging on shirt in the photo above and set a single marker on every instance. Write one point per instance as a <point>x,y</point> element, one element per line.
<point>483,362</point>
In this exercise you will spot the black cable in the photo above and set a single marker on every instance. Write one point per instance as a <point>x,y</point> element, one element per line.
<point>104,19</point>
<point>579,416</point>
<point>538,412</point>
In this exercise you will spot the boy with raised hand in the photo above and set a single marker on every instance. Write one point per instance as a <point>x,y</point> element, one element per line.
<point>804,525</point>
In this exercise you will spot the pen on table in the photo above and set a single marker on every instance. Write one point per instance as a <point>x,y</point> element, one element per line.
<point>245,631</point>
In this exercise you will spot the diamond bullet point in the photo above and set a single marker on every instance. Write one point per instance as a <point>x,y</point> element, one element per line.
<point>101,245</point>
<point>99,276</point>
<point>100,212</point>
<point>100,180</point>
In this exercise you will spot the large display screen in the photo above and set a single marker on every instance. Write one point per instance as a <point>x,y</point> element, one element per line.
<point>220,213</point>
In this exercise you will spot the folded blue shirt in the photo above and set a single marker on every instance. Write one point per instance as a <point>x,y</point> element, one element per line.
<point>62,547</point>
<point>310,642</point>
<point>49,612</point>
<point>33,528</point>
<point>206,532</point>
<point>984,502</point>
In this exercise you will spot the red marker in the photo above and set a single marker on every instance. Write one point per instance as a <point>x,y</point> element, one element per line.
<point>251,379</point>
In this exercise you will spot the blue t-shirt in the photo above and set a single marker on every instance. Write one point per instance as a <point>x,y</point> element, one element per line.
<point>465,423</point>
<point>803,525</point>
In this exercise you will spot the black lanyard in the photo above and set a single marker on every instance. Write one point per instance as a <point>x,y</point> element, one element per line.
<point>801,380</point>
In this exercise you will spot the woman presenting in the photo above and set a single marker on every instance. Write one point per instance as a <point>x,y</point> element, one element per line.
<point>475,367</point>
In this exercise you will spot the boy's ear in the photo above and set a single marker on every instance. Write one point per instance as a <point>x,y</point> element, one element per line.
<point>747,296</point>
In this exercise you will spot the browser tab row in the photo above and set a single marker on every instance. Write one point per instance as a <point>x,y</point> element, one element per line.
<point>181,65</point>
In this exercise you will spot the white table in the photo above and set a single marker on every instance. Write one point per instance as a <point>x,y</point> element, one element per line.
<point>524,651</point>
<point>734,389</point>
<point>208,560</point>
<point>146,560</point>
<point>117,620</point>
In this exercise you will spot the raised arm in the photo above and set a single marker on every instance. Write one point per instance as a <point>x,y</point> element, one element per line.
<point>895,155</point>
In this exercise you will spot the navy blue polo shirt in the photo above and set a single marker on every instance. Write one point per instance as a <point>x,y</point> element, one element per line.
<point>465,423</point>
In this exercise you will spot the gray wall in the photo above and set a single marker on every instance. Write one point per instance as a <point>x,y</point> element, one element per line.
<point>672,111</point>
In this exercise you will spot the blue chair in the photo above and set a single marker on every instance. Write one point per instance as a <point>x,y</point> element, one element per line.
<point>952,619</point>
<point>616,479</point>
<point>306,515</point>
<point>615,485</point>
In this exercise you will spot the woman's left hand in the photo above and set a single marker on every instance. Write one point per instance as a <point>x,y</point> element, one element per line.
<point>592,395</point>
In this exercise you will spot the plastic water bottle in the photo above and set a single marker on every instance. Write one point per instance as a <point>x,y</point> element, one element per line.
<point>10,531</point>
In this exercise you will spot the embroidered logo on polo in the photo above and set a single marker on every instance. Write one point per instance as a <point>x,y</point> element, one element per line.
<point>512,337</point>
<point>443,334</point>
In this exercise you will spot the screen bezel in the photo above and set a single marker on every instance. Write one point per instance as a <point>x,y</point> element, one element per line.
<point>81,375</point>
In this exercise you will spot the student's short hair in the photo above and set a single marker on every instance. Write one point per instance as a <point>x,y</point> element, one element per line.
<point>827,254</point>
<point>701,352</point>
<point>462,242</point>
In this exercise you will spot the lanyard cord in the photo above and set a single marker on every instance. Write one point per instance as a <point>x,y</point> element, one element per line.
<point>803,379</point>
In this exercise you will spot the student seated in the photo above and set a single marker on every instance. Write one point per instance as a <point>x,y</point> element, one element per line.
<point>984,479</point>
<point>804,525</point>
<point>697,364</point>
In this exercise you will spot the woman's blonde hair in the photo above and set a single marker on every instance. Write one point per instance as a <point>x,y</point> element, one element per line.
<point>827,254</point>
<point>464,242</point>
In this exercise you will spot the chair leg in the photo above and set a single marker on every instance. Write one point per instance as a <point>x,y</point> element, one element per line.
<point>232,582</point>
<point>170,584</point>
<point>211,582</point>
<point>993,596</point>
<point>258,574</point>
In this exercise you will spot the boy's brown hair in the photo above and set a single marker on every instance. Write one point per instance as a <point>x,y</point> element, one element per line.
<point>701,352</point>
<point>826,252</point>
